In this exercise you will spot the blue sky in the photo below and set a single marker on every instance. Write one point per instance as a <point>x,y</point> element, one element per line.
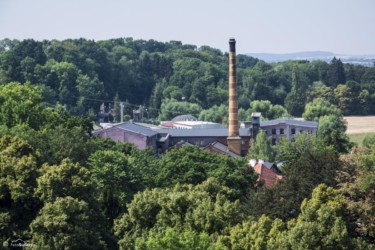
<point>275,26</point>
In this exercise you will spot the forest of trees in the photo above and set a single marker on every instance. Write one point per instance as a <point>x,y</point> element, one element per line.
<point>172,78</point>
<point>62,188</point>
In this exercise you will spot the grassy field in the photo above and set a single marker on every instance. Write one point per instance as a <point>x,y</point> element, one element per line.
<point>359,127</point>
<point>358,138</point>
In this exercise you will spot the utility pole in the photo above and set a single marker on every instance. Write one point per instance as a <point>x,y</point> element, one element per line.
<point>122,111</point>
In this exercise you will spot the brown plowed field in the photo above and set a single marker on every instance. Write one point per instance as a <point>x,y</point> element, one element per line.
<point>360,124</point>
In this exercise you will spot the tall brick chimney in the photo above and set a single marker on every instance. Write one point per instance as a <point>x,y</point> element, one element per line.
<point>233,140</point>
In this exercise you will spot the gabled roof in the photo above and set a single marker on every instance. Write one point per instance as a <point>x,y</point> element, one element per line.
<point>179,144</point>
<point>267,175</point>
<point>220,148</point>
<point>289,121</point>
<point>136,128</point>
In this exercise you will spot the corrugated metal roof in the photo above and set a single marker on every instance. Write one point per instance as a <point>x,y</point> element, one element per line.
<point>180,118</point>
<point>207,132</point>
<point>129,126</point>
<point>224,149</point>
<point>199,132</point>
<point>289,121</point>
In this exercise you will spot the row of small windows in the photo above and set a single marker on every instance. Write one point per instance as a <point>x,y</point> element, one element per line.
<point>292,131</point>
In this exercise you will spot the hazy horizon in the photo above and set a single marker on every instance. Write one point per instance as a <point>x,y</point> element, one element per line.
<point>278,27</point>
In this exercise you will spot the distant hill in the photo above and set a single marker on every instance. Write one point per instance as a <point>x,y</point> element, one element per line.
<point>366,60</point>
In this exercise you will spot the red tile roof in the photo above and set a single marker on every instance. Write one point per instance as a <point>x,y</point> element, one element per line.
<point>267,175</point>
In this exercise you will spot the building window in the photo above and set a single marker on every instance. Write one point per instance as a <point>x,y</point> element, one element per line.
<point>293,131</point>
<point>273,141</point>
<point>265,131</point>
<point>301,131</point>
<point>281,131</point>
<point>274,131</point>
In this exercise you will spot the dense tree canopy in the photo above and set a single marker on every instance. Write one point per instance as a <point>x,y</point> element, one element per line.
<point>66,179</point>
<point>18,173</point>
<point>66,223</point>
<point>320,107</point>
<point>20,104</point>
<point>82,74</point>
<point>203,208</point>
<point>192,165</point>
<point>63,188</point>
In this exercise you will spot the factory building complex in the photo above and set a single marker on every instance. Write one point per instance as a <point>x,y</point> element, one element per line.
<point>186,129</point>
<point>214,139</point>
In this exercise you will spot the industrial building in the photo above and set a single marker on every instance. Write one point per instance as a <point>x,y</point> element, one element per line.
<point>186,129</point>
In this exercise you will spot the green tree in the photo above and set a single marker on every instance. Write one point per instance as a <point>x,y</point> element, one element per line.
<point>202,208</point>
<point>332,127</point>
<point>66,223</point>
<point>173,92</point>
<point>115,180</point>
<point>157,97</point>
<point>20,58</point>
<point>368,75</point>
<point>173,239</point>
<point>90,90</point>
<point>307,163</point>
<point>268,110</point>
<point>332,131</point>
<point>357,184</point>
<point>291,151</point>
<point>259,82</point>
<point>261,148</point>
<point>18,173</point>
<point>64,141</point>
<point>66,74</point>
<point>295,100</point>
<point>263,233</point>
<point>59,117</point>
<point>320,107</point>
<point>321,223</point>
<point>66,179</point>
<point>20,104</point>
<point>344,98</point>
<point>336,73</point>
<point>319,90</point>
<point>171,108</point>
<point>193,165</point>
<point>218,114</point>
<point>364,101</point>
<point>217,95</point>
